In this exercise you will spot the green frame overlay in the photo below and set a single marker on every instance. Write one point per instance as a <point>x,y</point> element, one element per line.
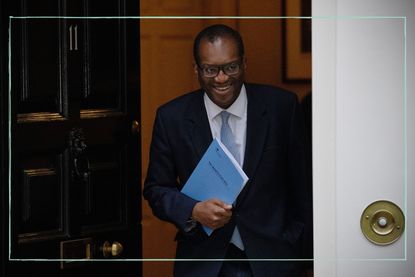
<point>405,122</point>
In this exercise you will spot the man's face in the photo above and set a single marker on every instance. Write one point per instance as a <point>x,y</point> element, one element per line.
<point>222,89</point>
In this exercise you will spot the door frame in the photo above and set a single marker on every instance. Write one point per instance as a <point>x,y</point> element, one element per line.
<point>323,137</point>
<point>4,240</point>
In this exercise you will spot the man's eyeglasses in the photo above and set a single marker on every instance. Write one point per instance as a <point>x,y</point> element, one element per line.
<point>211,71</point>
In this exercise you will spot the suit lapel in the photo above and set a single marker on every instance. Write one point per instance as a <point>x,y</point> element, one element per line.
<point>256,133</point>
<point>199,128</point>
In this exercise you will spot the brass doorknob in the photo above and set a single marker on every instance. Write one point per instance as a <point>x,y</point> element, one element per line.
<point>114,249</point>
<point>135,127</point>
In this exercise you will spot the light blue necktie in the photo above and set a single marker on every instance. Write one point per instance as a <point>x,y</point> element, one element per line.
<point>228,140</point>
<point>227,137</point>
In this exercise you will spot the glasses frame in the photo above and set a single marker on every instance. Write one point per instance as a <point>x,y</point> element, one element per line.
<point>220,68</point>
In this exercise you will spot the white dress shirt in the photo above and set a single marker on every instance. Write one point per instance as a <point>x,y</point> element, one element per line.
<point>237,120</point>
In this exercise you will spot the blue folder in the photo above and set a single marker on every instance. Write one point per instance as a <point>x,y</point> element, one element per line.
<point>217,175</point>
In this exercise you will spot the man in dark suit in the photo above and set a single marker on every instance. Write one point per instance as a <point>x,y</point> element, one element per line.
<point>267,220</point>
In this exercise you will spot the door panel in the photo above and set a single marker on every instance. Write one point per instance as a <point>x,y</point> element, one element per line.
<point>39,92</point>
<point>104,48</point>
<point>38,204</point>
<point>102,87</point>
<point>103,191</point>
<point>42,191</point>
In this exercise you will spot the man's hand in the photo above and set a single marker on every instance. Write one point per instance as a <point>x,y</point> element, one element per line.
<point>212,213</point>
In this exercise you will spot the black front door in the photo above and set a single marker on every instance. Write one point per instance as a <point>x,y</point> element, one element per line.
<point>73,152</point>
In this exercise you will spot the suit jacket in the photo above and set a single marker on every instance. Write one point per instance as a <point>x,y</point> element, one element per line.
<point>272,209</point>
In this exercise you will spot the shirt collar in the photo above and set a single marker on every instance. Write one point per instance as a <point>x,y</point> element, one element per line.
<point>237,108</point>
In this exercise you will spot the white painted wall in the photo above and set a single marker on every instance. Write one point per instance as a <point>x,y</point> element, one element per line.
<point>363,132</point>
